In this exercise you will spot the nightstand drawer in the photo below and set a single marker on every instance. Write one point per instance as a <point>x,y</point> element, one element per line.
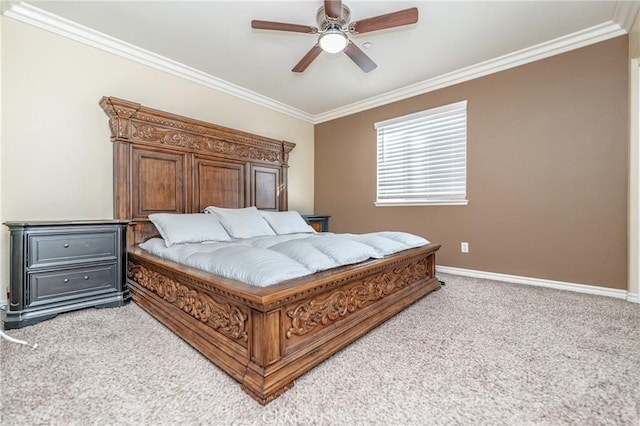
<point>57,286</point>
<point>61,266</point>
<point>45,250</point>
<point>317,221</point>
<point>318,226</point>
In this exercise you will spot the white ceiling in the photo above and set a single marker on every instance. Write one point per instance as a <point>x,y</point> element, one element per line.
<point>212,42</point>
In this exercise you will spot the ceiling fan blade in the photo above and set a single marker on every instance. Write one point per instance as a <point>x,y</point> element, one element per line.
<point>333,8</point>
<point>389,20</point>
<point>307,59</point>
<point>281,26</point>
<point>359,57</point>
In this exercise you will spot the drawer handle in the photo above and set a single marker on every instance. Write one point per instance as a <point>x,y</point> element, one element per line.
<point>86,277</point>
<point>66,280</point>
<point>66,245</point>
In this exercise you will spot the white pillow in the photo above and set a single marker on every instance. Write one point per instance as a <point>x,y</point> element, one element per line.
<point>188,228</point>
<point>289,222</point>
<point>242,223</point>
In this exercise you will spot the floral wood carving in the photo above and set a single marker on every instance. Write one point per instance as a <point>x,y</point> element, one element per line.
<point>225,318</point>
<point>307,316</point>
<point>124,115</point>
<point>185,140</point>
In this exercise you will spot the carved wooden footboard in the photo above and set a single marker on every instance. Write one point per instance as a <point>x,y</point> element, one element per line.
<point>264,337</point>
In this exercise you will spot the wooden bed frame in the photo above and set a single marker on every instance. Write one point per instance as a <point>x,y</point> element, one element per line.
<point>264,337</point>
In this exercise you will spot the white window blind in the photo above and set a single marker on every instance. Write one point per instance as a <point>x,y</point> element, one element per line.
<point>422,157</point>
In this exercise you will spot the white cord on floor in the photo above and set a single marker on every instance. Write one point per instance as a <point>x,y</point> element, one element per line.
<point>21,342</point>
<point>3,335</point>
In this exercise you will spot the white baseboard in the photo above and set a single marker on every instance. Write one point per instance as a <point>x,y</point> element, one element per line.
<point>559,285</point>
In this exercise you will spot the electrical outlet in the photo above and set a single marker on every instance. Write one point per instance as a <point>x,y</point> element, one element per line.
<point>464,247</point>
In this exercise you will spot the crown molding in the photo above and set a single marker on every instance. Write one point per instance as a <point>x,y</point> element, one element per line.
<point>573,41</point>
<point>5,5</point>
<point>625,13</point>
<point>37,17</point>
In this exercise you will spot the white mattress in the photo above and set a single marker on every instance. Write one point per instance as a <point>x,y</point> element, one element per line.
<point>268,260</point>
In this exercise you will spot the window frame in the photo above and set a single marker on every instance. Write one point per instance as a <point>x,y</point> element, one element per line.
<point>427,116</point>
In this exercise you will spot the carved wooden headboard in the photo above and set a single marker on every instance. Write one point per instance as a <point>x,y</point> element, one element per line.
<point>168,163</point>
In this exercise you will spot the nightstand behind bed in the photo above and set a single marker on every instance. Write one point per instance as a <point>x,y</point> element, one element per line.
<point>318,222</point>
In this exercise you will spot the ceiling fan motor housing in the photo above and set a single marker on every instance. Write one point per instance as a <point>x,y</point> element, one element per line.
<point>327,23</point>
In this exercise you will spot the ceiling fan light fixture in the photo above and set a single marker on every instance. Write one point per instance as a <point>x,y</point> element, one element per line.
<point>333,41</point>
<point>334,29</point>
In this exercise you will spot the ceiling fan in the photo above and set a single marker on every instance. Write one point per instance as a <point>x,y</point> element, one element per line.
<point>334,29</point>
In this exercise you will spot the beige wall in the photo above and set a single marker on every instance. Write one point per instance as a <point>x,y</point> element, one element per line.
<point>634,159</point>
<point>547,171</point>
<point>3,249</point>
<point>634,38</point>
<point>56,158</point>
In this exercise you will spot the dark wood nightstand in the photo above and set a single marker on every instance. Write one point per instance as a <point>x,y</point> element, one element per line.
<point>60,266</point>
<point>318,222</point>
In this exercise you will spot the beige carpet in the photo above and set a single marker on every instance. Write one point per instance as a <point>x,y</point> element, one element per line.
<point>476,352</point>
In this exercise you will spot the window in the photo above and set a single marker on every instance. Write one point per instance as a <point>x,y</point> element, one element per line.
<point>422,157</point>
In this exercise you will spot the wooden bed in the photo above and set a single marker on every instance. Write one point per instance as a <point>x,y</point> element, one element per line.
<point>264,337</point>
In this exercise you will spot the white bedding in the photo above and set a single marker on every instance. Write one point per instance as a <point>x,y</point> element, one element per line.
<point>267,260</point>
